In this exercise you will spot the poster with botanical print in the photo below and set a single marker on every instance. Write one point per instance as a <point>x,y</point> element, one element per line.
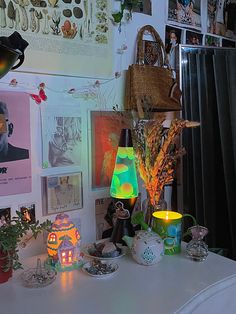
<point>62,192</point>
<point>222,18</point>
<point>15,143</point>
<point>61,136</point>
<point>185,13</point>
<point>64,36</point>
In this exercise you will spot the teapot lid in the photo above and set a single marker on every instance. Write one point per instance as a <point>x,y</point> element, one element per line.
<point>147,236</point>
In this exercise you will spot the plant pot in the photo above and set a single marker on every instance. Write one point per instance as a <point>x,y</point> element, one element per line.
<point>4,276</point>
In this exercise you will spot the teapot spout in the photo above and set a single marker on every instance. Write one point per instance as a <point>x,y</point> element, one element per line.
<point>128,240</point>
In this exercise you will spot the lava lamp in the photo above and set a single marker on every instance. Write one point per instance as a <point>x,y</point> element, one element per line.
<point>124,187</point>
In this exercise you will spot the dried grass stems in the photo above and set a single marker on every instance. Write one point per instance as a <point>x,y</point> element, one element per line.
<point>157,153</point>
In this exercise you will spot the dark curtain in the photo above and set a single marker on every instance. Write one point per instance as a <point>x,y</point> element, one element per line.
<point>209,167</point>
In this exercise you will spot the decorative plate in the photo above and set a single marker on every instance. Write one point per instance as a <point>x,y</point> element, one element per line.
<point>93,250</point>
<point>33,278</point>
<point>100,269</point>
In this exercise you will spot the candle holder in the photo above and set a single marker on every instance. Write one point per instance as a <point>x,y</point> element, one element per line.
<point>168,224</point>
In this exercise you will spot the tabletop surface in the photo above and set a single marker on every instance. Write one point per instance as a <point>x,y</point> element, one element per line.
<point>135,289</point>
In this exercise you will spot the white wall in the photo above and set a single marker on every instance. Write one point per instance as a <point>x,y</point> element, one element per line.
<point>59,83</point>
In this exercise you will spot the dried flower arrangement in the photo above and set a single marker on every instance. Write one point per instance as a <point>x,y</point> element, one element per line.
<point>157,153</point>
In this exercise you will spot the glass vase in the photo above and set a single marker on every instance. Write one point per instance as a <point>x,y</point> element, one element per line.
<point>197,249</point>
<point>148,208</point>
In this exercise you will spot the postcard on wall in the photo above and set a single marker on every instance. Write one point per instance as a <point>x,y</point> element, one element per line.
<point>5,215</point>
<point>222,18</point>
<point>193,38</point>
<point>228,43</point>
<point>104,212</point>
<point>62,192</point>
<point>144,6</point>
<point>173,38</point>
<point>185,13</point>
<point>106,127</point>
<point>65,37</point>
<point>61,136</point>
<point>212,41</point>
<point>15,158</point>
<point>28,212</point>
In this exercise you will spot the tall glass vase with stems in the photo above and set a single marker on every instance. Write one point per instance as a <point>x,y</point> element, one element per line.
<point>148,208</point>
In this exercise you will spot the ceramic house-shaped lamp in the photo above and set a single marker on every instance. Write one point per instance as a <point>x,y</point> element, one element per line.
<point>63,243</point>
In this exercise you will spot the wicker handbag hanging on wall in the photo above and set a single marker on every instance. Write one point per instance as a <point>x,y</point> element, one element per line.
<point>151,87</point>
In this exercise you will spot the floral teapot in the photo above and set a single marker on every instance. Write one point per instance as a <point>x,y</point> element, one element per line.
<point>147,247</point>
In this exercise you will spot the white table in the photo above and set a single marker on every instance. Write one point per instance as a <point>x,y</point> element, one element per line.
<point>160,289</point>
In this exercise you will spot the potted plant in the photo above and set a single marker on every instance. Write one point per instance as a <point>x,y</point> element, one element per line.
<point>11,234</point>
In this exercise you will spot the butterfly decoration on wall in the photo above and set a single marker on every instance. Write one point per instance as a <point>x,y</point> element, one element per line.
<point>41,96</point>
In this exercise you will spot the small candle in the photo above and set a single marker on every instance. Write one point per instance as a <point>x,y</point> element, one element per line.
<point>168,225</point>
<point>167,214</point>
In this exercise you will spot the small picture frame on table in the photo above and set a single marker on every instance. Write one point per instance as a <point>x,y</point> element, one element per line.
<point>62,192</point>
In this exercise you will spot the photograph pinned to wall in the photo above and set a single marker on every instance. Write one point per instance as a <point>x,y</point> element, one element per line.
<point>65,37</point>
<point>5,215</point>
<point>173,38</point>
<point>185,13</point>
<point>221,18</point>
<point>15,159</point>
<point>193,38</point>
<point>28,212</point>
<point>212,41</point>
<point>62,138</point>
<point>105,217</point>
<point>144,6</point>
<point>228,43</point>
<point>62,193</point>
<point>105,133</point>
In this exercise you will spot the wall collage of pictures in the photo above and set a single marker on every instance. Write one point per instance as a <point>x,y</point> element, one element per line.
<point>85,24</point>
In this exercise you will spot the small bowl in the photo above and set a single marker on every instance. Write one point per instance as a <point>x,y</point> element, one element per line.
<point>87,268</point>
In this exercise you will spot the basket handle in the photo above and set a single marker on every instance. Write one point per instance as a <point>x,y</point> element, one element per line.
<point>140,49</point>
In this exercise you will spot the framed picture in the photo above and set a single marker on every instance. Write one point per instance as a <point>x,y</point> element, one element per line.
<point>28,212</point>
<point>105,133</point>
<point>193,38</point>
<point>62,136</point>
<point>62,193</point>
<point>5,215</point>
<point>185,13</point>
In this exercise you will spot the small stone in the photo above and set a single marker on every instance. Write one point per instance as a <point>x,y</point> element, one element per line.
<point>67,13</point>
<point>78,13</point>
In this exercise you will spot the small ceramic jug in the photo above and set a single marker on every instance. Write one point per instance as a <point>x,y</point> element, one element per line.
<point>147,247</point>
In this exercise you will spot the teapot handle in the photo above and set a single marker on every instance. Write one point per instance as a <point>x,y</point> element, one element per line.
<point>21,59</point>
